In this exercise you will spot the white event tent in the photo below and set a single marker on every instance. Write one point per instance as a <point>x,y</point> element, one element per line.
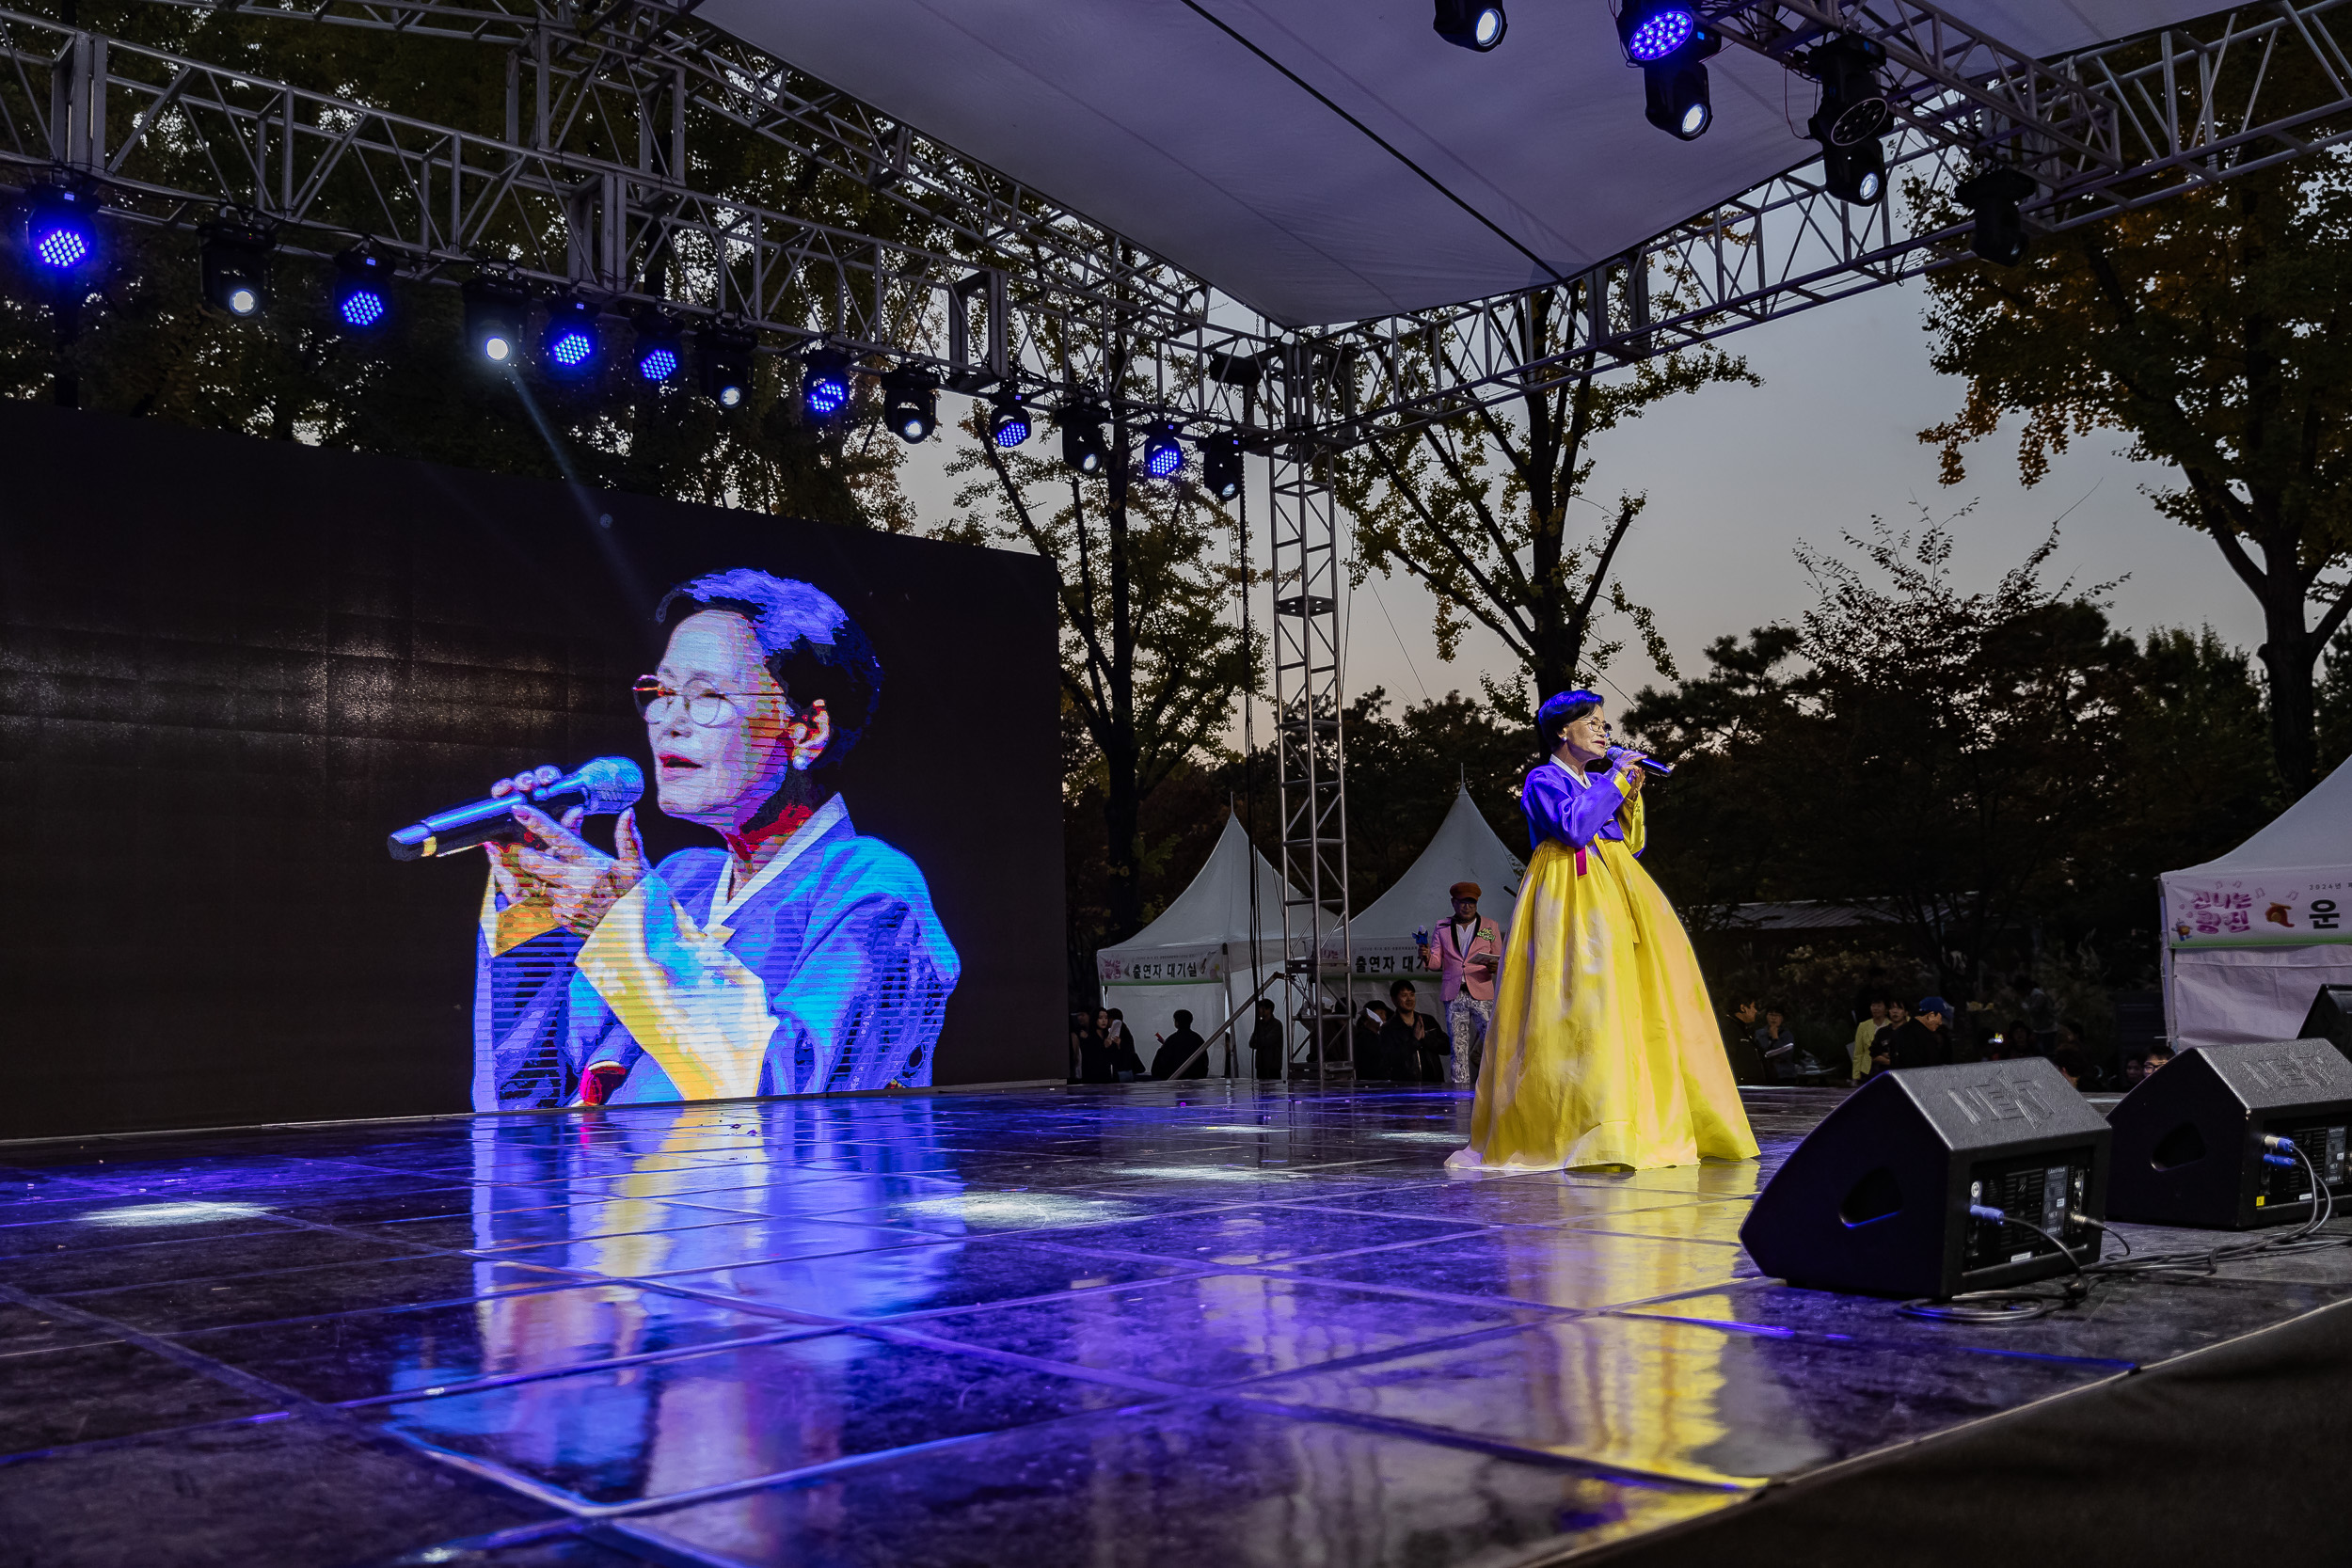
<point>1465,849</point>
<point>2249,938</point>
<point>1197,955</point>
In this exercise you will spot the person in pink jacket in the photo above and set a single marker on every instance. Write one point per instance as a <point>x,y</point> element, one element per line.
<point>1466,953</point>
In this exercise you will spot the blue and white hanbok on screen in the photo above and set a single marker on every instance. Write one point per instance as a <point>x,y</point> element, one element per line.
<point>828,971</point>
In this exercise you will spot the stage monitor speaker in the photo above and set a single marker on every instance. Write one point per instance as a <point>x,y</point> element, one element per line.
<point>1876,1198</point>
<point>2331,1018</point>
<point>2190,1145</point>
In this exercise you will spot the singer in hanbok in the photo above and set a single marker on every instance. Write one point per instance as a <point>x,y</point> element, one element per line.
<point>1604,1051</point>
<point>801,957</point>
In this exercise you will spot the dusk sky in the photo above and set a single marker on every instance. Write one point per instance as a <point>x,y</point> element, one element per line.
<point>1737,476</point>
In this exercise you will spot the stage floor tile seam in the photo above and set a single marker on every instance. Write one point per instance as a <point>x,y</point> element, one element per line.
<point>1519,1319</point>
<point>649,1358</point>
<point>586,1509</point>
<point>1499,1448</point>
<point>1463,1233</point>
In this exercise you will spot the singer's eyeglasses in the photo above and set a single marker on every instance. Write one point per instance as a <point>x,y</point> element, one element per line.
<point>704,707</point>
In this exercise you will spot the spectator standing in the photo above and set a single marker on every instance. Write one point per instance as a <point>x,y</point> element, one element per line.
<point>1466,952</point>
<point>1176,1049</point>
<point>1412,1047</point>
<point>1126,1066</point>
<point>1924,1042</point>
<point>1094,1057</point>
<point>1081,1025</point>
<point>1364,1041</point>
<point>2041,1014</point>
<point>1747,1064</point>
<point>1777,1044</point>
<point>2158,1054</point>
<point>1268,1043</point>
<point>1872,991</point>
<point>1864,1033</point>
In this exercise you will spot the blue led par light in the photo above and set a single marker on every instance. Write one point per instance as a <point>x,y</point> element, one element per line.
<point>1666,40</point>
<point>1659,34</point>
<point>660,349</point>
<point>825,384</point>
<point>1163,454</point>
<point>361,302</point>
<point>572,342</point>
<point>1008,420</point>
<point>59,236</point>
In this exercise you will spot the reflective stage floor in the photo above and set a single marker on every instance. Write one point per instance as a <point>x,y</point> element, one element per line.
<point>1132,1326</point>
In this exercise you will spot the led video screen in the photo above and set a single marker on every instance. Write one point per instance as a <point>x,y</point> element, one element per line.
<point>789,793</point>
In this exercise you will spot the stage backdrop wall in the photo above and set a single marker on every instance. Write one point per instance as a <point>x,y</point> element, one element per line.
<point>228,668</point>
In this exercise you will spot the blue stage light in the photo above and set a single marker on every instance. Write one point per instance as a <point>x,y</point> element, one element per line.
<point>1163,456</point>
<point>62,245</point>
<point>1007,421</point>
<point>825,384</point>
<point>58,230</point>
<point>361,302</point>
<point>660,348</point>
<point>1659,34</point>
<point>572,342</point>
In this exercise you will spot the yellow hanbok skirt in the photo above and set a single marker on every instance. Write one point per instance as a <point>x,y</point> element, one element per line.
<point>1604,1048</point>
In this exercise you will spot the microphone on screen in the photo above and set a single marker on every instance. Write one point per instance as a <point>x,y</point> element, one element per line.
<point>605,785</point>
<point>1619,756</point>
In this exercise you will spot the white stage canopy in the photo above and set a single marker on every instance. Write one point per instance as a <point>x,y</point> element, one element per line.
<point>2250,938</point>
<point>1500,171</point>
<point>1198,956</point>
<point>1464,850</point>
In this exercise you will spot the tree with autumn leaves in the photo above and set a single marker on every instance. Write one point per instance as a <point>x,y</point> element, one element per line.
<point>2210,329</point>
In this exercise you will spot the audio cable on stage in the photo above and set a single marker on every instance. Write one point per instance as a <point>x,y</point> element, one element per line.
<point>2016,1306</point>
<point>2007,1306</point>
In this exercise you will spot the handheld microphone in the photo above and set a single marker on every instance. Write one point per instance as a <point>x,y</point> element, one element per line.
<point>1618,754</point>
<point>605,785</point>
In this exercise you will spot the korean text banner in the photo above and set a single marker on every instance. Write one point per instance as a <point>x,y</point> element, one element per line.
<point>2258,908</point>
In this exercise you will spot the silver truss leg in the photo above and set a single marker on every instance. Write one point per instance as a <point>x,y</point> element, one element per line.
<point>1310,770</point>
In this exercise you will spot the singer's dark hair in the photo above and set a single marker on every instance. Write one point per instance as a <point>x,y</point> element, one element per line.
<point>810,645</point>
<point>1560,711</point>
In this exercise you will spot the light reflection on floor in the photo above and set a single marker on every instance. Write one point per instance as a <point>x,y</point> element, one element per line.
<point>1226,1324</point>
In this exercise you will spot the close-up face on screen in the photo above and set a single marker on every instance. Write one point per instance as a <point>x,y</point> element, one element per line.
<point>667,810</point>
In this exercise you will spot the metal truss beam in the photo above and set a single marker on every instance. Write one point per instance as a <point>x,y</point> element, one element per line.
<point>1310,771</point>
<point>2104,131</point>
<point>989,282</point>
<point>583,190</point>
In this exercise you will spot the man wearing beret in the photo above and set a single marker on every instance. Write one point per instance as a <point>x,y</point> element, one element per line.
<point>1466,953</point>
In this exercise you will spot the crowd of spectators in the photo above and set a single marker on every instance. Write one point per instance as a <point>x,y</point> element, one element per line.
<point>1889,1033</point>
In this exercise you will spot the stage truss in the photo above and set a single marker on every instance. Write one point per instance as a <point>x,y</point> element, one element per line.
<point>582,184</point>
